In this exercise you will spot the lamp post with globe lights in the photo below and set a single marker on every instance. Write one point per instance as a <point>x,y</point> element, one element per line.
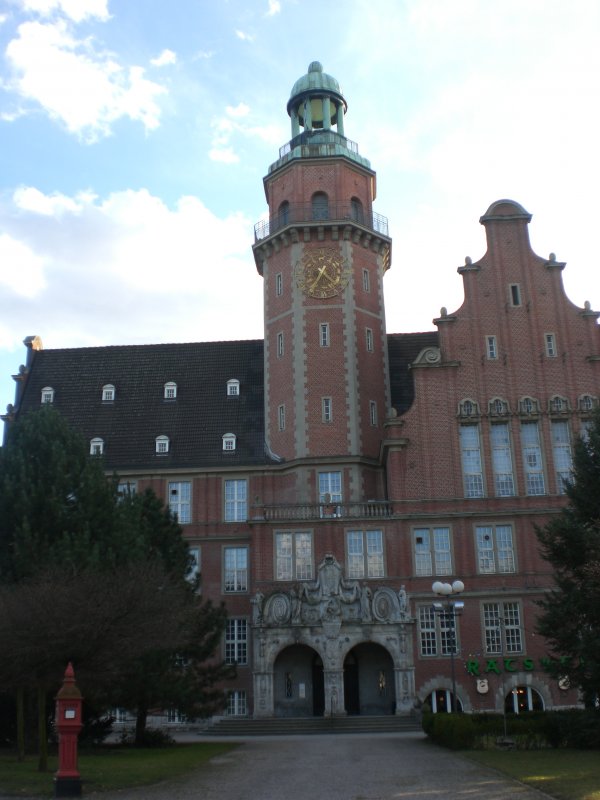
<point>448,609</point>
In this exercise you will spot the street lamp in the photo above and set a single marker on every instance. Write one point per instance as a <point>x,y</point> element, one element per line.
<point>448,609</point>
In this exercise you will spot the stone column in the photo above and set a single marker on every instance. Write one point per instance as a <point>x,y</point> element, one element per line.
<point>264,705</point>
<point>340,119</point>
<point>334,693</point>
<point>404,680</point>
<point>295,123</point>
<point>326,114</point>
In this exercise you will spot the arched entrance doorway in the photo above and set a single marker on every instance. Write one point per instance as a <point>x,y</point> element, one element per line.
<point>369,686</point>
<point>298,686</point>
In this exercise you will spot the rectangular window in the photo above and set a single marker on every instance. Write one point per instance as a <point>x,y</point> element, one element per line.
<point>504,484</point>
<point>550,345</point>
<point>373,412</point>
<point>366,280</point>
<point>235,573</point>
<point>194,553</point>
<point>279,345</point>
<point>279,284</point>
<point>237,704</point>
<point>369,339</point>
<point>293,556</point>
<point>502,628</point>
<point>515,294</point>
<point>532,459</point>
<point>180,501</point>
<point>324,334</point>
<point>495,549</point>
<point>438,632</point>
<point>471,460</point>
<point>561,447</point>
<point>365,554</point>
<point>236,504</point>
<point>432,551</point>
<point>491,347</point>
<point>326,409</point>
<point>330,487</point>
<point>281,417</point>
<point>236,641</point>
<point>126,488</point>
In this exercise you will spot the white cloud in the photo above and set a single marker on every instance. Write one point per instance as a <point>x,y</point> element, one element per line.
<point>241,110</point>
<point>225,155</point>
<point>21,270</point>
<point>76,83</point>
<point>165,58</point>
<point>77,10</point>
<point>233,123</point>
<point>28,198</point>
<point>274,8</point>
<point>245,37</point>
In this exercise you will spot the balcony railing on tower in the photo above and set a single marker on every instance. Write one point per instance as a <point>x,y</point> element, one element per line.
<point>308,213</point>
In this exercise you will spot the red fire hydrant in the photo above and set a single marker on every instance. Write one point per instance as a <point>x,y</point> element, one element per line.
<point>67,782</point>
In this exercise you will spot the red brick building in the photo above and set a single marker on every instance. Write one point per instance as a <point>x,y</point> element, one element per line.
<point>326,477</point>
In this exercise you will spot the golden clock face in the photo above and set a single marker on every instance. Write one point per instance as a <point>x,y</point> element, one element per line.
<point>322,272</point>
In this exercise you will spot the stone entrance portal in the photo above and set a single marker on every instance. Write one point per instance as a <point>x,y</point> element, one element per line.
<point>332,647</point>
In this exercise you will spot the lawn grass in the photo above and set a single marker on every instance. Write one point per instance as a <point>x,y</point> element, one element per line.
<point>108,767</point>
<point>564,774</point>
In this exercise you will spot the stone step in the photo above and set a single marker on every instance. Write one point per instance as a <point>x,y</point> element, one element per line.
<point>282,726</point>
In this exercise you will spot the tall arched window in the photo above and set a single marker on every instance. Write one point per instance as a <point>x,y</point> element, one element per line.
<point>522,699</point>
<point>284,214</point>
<point>356,210</point>
<point>320,206</point>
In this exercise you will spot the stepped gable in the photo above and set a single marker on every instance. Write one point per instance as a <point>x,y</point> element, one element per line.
<point>195,421</point>
<point>403,349</point>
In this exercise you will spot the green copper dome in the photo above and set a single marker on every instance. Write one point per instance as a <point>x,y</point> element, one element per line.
<point>314,83</point>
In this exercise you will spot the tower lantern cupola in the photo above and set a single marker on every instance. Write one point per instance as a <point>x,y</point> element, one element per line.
<point>316,102</point>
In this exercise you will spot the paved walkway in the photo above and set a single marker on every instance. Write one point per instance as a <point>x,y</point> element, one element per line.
<point>402,766</point>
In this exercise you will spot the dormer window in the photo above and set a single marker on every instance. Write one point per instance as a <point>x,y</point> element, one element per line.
<point>96,447</point>
<point>162,444</point>
<point>233,388</point>
<point>170,391</point>
<point>47,394</point>
<point>229,440</point>
<point>108,393</point>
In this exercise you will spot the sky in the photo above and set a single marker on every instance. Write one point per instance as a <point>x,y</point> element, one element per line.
<point>135,134</point>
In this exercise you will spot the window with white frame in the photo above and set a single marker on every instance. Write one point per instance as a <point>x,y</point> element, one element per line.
<point>491,347</point>
<point>550,341</point>
<point>470,448</point>
<point>281,417</point>
<point>119,714</point>
<point>280,344</point>
<point>561,449</point>
<point>438,632</point>
<point>373,412</point>
<point>532,459</point>
<point>162,444</point>
<point>235,569</point>
<point>324,334</point>
<point>180,493</point>
<point>236,500</point>
<point>279,284</point>
<point>170,390</point>
<point>125,488</point>
<point>233,387</point>
<point>366,280</point>
<point>364,551</point>
<point>495,548</point>
<point>96,446</point>
<point>236,641</point>
<point>330,487</point>
<point>108,393</point>
<point>229,440</point>
<point>194,565</point>
<point>433,555</point>
<point>369,339</point>
<point>502,466</point>
<point>293,556</point>
<point>237,703</point>
<point>502,628</point>
<point>522,699</point>
<point>47,394</point>
<point>326,409</point>
<point>174,716</point>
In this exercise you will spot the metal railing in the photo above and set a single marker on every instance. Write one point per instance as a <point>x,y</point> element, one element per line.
<point>303,213</point>
<point>317,143</point>
<point>372,509</point>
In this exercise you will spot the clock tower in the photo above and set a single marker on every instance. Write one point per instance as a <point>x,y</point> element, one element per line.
<point>323,253</point>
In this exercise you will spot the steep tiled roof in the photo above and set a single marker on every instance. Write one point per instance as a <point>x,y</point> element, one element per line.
<point>194,422</point>
<point>403,349</point>
<point>202,412</point>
